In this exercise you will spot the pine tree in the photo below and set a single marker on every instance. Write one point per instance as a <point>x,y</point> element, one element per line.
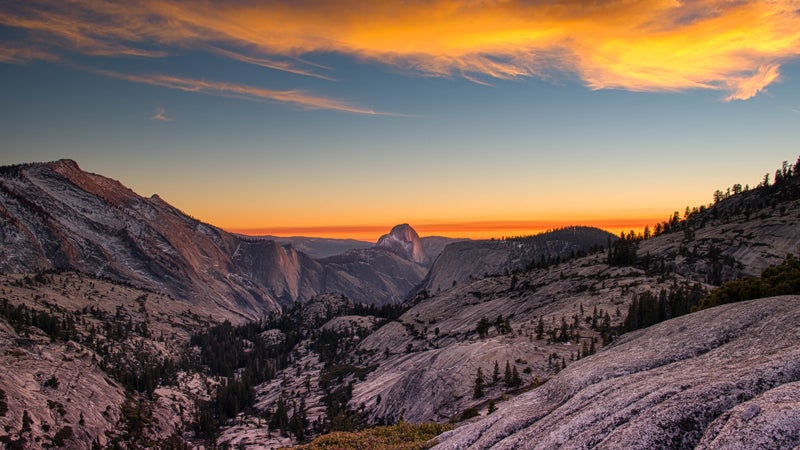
<point>478,389</point>
<point>508,375</point>
<point>483,327</point>
<point>496,373</point>
<point>515,379</point>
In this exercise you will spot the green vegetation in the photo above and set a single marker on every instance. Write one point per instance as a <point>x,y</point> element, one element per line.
<point>61,436</point>
<point>402,436</point>
<point>243,359</point>
<point>622,252</point>
<point>3,403</point>
<point>502,325</point>
<point>648,309</point>
<point>781,279</point>
<point>23,318</point>
<point>468,413</point>
<point>477,389</point>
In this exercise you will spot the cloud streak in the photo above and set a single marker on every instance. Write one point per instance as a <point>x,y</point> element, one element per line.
<point>295,97</point>
<point>160,114</point>
<point>735,48</point>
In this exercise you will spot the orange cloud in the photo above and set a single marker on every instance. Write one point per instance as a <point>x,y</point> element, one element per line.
<point>650,45</point>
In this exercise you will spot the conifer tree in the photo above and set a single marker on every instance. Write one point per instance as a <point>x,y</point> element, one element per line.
<point>515,379</point>
<point>477,391</point>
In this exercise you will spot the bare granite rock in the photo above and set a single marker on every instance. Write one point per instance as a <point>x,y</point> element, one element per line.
<point>721,378</point>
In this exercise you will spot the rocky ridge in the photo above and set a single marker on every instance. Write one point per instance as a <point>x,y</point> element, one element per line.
<point>404,241</point>
<point>705,380</point>
<point>470,260</point>
<point>55,216</point>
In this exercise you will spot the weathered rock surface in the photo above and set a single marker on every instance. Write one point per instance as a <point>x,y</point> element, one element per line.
<point>58,386</point>
<point>56,216</point>
<point>374,276</point>
<point>721,378</point>
<point>404,241</point>
<point>409,352</point>
<point>69,384</point>
<point>428,359</point>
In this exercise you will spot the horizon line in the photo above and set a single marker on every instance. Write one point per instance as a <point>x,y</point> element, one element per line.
<point>475,229</point>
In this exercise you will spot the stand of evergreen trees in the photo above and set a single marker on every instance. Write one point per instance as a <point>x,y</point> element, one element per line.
<point>648,309</point>
<point>243,359</point>
<point>781,279</point>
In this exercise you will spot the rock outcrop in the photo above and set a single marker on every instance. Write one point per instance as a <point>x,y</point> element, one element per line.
<point>404,241</point>
<point>724,376</point>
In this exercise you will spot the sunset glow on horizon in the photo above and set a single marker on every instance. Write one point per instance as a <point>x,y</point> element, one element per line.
<point>469,230</point>
<point>477,119</point>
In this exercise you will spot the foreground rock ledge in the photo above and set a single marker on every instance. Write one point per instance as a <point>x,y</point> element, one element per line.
<point>726,377</point>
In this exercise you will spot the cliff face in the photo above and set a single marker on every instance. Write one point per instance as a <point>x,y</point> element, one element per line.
<point>56,216</point>
<point>404,241</point>
<point>725,375</point>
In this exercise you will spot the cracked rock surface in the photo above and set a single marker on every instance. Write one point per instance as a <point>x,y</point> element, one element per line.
<point>726,377</point>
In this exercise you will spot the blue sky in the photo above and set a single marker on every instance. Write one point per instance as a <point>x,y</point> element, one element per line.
<point>347,135</point>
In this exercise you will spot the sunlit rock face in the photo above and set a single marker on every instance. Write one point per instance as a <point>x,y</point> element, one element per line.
<point>404,241</point>
<point>726,377</point>
<point>55,216</point>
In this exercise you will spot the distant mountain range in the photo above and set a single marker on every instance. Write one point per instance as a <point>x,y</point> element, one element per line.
<point>317,247</point>
<point>55,216</point>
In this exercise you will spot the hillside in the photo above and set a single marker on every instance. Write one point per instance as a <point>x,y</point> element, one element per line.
<point>469,260</point>
<point>727,377</point>
<point>536,345</point>
<point>54,216</point>
<point>424,365</point>
<point>84,357</point>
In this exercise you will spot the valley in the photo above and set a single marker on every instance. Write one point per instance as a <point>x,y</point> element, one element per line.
<point>127,324</point>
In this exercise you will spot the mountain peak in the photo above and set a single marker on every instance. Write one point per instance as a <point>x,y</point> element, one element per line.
<point>404,241</point>
<point>65,162</point>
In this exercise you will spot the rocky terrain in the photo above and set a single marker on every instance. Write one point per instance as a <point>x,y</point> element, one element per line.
<point>54,216</point>
<point>721,378</point>
<point>80,356</point>
<point>521,340</point>
<point>470,260</point>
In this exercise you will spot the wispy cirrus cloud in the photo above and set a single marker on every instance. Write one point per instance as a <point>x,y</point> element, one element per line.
<point>295,97</point>
<point>734,47</point>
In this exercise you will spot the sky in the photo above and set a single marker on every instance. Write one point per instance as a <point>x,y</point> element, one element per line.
<point>475,118</point>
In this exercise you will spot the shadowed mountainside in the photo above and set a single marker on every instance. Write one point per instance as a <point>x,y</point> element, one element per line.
<point>468,260</point>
